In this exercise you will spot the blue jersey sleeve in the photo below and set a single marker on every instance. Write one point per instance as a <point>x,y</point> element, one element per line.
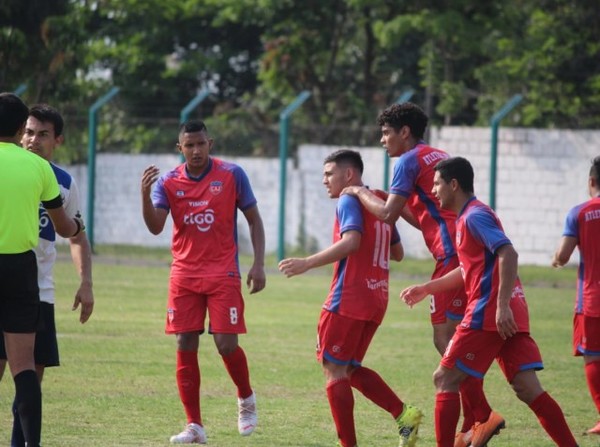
<point>395,235</point>
<point>245,195</point>
<point>349,214</point>
<point>485,228</point>
<point>159,195</point>
<point>406,170</point>
<point>572,222</point>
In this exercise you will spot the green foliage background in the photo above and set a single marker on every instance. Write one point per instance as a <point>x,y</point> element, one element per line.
<point>463,60</point>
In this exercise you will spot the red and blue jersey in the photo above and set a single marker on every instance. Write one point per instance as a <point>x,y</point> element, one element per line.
<point>359,288</point>
<point>413,179</point>
<point>583,223</point>
<point>204,212</point>
<point>479,234</point>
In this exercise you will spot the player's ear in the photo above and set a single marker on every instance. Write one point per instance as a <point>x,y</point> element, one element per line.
<point>454,184</point>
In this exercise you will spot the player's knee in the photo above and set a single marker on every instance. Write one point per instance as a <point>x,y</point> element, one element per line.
<point>527,386</point>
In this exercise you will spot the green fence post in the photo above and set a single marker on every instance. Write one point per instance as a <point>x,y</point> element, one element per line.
<point>92,137</point>
<point>187,110</point>
<point>284,118</point>
<point>20,89</point>
<point>495,123</point>
<point>404,97</point>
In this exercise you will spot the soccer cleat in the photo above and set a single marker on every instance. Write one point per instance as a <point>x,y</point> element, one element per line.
<point>463,439</point>
<point>192,434</point>
<point>483,431</point>
<point>595,430</point>
<point>247,415</point>
<point>408,425</point>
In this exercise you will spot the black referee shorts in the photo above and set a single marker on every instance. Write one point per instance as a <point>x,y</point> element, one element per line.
<point>46,345</point>
<point>19,293</point>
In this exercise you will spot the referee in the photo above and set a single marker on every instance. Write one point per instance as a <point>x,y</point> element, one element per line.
<point>26,180</point>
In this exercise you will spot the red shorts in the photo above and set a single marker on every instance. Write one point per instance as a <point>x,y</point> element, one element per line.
<point>342,340</point>
<point>473,351</point>
<point>451,304</point>
<point>190,299</point>
<point>586,335</point>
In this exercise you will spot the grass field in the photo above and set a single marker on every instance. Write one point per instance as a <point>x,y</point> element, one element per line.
<point>116,385</point>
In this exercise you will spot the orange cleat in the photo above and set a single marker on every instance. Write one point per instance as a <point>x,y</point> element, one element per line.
<point>463,439</point>
<point>483,431</point>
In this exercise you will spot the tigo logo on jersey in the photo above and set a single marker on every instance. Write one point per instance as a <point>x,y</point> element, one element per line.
<point>215,187</point>
<point>203,221</point>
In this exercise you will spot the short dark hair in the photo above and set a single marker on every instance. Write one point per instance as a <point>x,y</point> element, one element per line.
<point>48,114</point>
<point>13,114</point>
<point>347,157</point>
<point>405,114</point>
<point>457,168</point>
<point>595,170</point>
<point>192,126</point>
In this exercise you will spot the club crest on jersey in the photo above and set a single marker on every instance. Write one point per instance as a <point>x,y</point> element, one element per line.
<point>215,187</point>
<point>179,193</point>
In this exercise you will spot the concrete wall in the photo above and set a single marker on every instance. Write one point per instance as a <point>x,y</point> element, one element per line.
<point>541,175</point>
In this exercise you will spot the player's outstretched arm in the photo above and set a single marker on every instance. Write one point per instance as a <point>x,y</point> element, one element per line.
<point>256,279</point>
<point>154,218</point>
<point>349,243</point>
<point>415,294</point>
<point>387,210</point>
<point>81,254</point>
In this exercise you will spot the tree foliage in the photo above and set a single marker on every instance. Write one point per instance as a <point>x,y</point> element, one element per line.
<point>464,59</point>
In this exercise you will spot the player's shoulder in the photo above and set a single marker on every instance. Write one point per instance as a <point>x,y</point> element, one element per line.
<point>223,165</point>
<point>175,173</point>
<point>62,175</point>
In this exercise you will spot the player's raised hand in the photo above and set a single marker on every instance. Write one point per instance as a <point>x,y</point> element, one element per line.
<point>293,266</point>
<point>149,176</point>
<point>413,295</point>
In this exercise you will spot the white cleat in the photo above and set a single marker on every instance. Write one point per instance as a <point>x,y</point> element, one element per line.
<point>192,434</point>
<point>247,415</point>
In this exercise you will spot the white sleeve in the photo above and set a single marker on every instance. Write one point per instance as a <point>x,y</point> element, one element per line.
<point>71,204</point>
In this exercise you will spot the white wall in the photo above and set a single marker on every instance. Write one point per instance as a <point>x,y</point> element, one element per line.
<point>541,175</point>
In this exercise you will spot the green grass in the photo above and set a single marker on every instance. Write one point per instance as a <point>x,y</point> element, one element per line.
<point>116,385</point>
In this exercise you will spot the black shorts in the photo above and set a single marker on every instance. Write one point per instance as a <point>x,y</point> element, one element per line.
<point>46,345</point>
<point>19,293</point>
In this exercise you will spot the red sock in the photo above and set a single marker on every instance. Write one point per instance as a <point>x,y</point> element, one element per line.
<point>447,413</point>
<point>341,402</point>
<point>237,367</point>
<point>375,389</point>
<point>471,393</point>
<point>552,419</point>
<point>592,374</point>
<point>188,383</point>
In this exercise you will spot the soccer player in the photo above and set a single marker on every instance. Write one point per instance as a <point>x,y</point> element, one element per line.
<point>582,230</point>
<point>356,303</point>
<point>402,130</point>
<point>203,195</point>
<point>27,180</point>
<point>496,321</point>
<point>43,134</point>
